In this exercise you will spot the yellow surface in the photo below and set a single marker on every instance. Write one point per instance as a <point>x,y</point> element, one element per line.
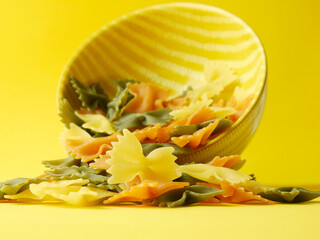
<point>221,222</point>
<point>37,38</point>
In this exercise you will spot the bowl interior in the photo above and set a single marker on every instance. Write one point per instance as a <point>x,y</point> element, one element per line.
<point>171,45</point>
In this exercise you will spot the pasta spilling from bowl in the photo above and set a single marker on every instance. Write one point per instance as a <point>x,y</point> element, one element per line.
<point>124,150</point>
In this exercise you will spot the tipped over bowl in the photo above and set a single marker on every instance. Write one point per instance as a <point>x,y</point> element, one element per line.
<point>178,46</point>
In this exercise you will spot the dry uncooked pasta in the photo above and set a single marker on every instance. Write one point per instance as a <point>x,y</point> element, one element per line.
<point>124,150</point>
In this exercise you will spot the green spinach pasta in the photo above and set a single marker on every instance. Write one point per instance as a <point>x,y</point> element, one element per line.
<point>124,150</point>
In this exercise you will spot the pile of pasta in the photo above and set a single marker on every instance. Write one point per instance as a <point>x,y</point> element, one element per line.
<point>123,150</point>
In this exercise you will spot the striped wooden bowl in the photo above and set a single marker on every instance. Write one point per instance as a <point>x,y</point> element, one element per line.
<point>170,45</point>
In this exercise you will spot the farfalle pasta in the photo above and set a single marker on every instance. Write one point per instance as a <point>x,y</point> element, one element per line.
<point>126,163</point>
<point>69,191</point>
<point>96,122</point>
<point>81,145</point>
<point>197,138</point>
<point>147,97</point>
<point>228,162</point>
<point>124,149</point>
<point>234,194</point>
<point>146,190</point>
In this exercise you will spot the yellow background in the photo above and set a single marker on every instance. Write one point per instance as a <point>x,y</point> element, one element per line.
<point>37,38</point>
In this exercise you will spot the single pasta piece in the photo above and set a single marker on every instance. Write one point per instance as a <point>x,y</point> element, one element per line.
<point>240,107</point>
<point>97,122</point>
<point>89,149</point>
<point>150,133</point>
<point>227,161</point>
<point>235,194</point>
<point>127,161</point>
<point>214,174</point>
<point>147,97</point>
<point>101,162</point>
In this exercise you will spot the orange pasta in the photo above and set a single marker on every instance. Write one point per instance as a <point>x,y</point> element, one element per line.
<point>145,190</point>
<point>8,201</point>
<point>240,107</point>
<point>234,194</point>
<point>197,138</point>
<point>227,161</point>
<point>89,149</point>
<point>164,132</point>
<point>150,132</point>
<point>175,103</point>
<point>202,115</point>
<point>147,97</point>
<point>101,162</point>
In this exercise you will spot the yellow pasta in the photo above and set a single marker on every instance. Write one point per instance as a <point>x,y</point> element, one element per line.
<point>217,77</point>
<point>127,161</point>
<point>96,122</point>
<point>214,174</point>
<point>222,112</point>
<point>84,196</point>
<point>193,107</point>
<point>78,143</point>
<point>43,189</point>
<point>25,195</point>
<point>74,133</point>
<point>70,191</point>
